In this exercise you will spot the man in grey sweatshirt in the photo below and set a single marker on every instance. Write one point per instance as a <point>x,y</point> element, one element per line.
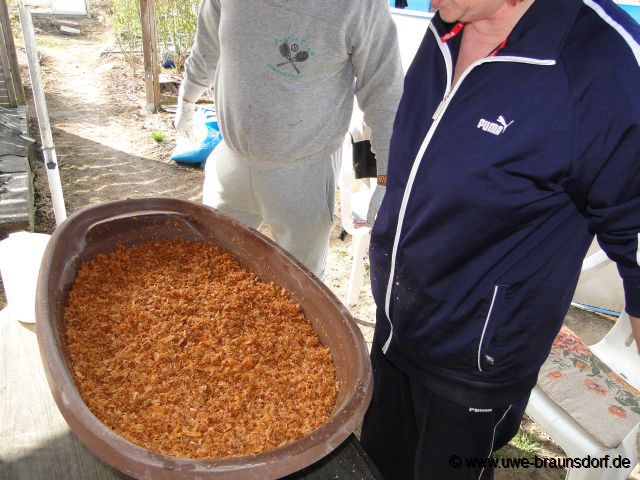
<point>284,74</point>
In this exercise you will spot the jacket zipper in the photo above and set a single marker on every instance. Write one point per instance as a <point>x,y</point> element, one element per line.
<point>437,116</point>
<point>441,106</point>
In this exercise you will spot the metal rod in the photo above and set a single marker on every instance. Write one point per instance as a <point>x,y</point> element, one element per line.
<point>48,150</point>
<point>590,308</point>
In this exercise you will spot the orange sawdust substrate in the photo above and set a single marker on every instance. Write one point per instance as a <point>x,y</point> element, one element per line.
<point>178,349</point>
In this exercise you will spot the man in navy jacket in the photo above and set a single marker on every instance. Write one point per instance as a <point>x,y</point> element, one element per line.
<point>517,139</point>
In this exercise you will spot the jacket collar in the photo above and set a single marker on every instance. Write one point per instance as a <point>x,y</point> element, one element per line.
<point>540,33</point>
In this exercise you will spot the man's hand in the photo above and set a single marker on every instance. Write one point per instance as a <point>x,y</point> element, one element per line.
<point>184,120</point>
<point>635,328</point>
<point>374,203</point>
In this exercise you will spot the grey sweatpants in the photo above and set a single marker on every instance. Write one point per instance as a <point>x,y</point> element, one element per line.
<point>295,200</point>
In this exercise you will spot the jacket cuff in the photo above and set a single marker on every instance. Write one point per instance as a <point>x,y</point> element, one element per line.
<point>632,298</point>
<point>381,163</point>
<point>191,91</point>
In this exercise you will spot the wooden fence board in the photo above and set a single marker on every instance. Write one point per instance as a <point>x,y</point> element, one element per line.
<point>9,57</point>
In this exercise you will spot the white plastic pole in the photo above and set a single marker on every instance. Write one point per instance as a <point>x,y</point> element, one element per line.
<point>48,150</point>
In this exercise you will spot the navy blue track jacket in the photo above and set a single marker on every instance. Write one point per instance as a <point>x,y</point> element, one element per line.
<point>496,187</point>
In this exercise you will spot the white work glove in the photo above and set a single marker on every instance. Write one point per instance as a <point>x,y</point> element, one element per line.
<point>374,203</point>
<point>185,124</point>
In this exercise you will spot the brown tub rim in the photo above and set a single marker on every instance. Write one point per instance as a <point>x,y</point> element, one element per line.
<point>133,459</point>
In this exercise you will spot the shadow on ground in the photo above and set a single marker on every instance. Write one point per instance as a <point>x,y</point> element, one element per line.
<point>92,173</point>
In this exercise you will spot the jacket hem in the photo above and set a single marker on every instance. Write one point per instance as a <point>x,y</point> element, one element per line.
<point>464,391</point>
<point>243,157</point>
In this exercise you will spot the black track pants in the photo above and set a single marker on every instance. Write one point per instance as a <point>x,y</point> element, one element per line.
<point>413,434</point>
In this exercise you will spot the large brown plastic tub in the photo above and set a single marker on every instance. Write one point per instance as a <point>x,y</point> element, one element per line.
<point>98,229</point>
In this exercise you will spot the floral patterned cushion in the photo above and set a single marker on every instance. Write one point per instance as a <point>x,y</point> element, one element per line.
<point>600,400</point>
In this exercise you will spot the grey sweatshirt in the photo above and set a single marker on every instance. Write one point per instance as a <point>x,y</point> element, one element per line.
<point>284,74</point>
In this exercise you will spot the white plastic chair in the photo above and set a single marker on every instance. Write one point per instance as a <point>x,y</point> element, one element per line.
<point>354,203</point>
<point>618,351</point>
<point>600,283</point>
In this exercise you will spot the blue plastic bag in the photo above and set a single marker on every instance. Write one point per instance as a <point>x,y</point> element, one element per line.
<point>190,153</point>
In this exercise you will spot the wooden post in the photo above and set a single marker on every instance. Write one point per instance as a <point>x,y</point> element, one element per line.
<point>9,45</point>
<point>6,83</point>
<point>150,50</point>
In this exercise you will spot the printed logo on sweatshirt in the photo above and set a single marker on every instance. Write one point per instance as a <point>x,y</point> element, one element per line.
<point>497,127</point>
<point>293,53</point>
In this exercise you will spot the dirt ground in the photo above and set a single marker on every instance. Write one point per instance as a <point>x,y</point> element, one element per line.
<point>102,135</point>
<point>101,132</point>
